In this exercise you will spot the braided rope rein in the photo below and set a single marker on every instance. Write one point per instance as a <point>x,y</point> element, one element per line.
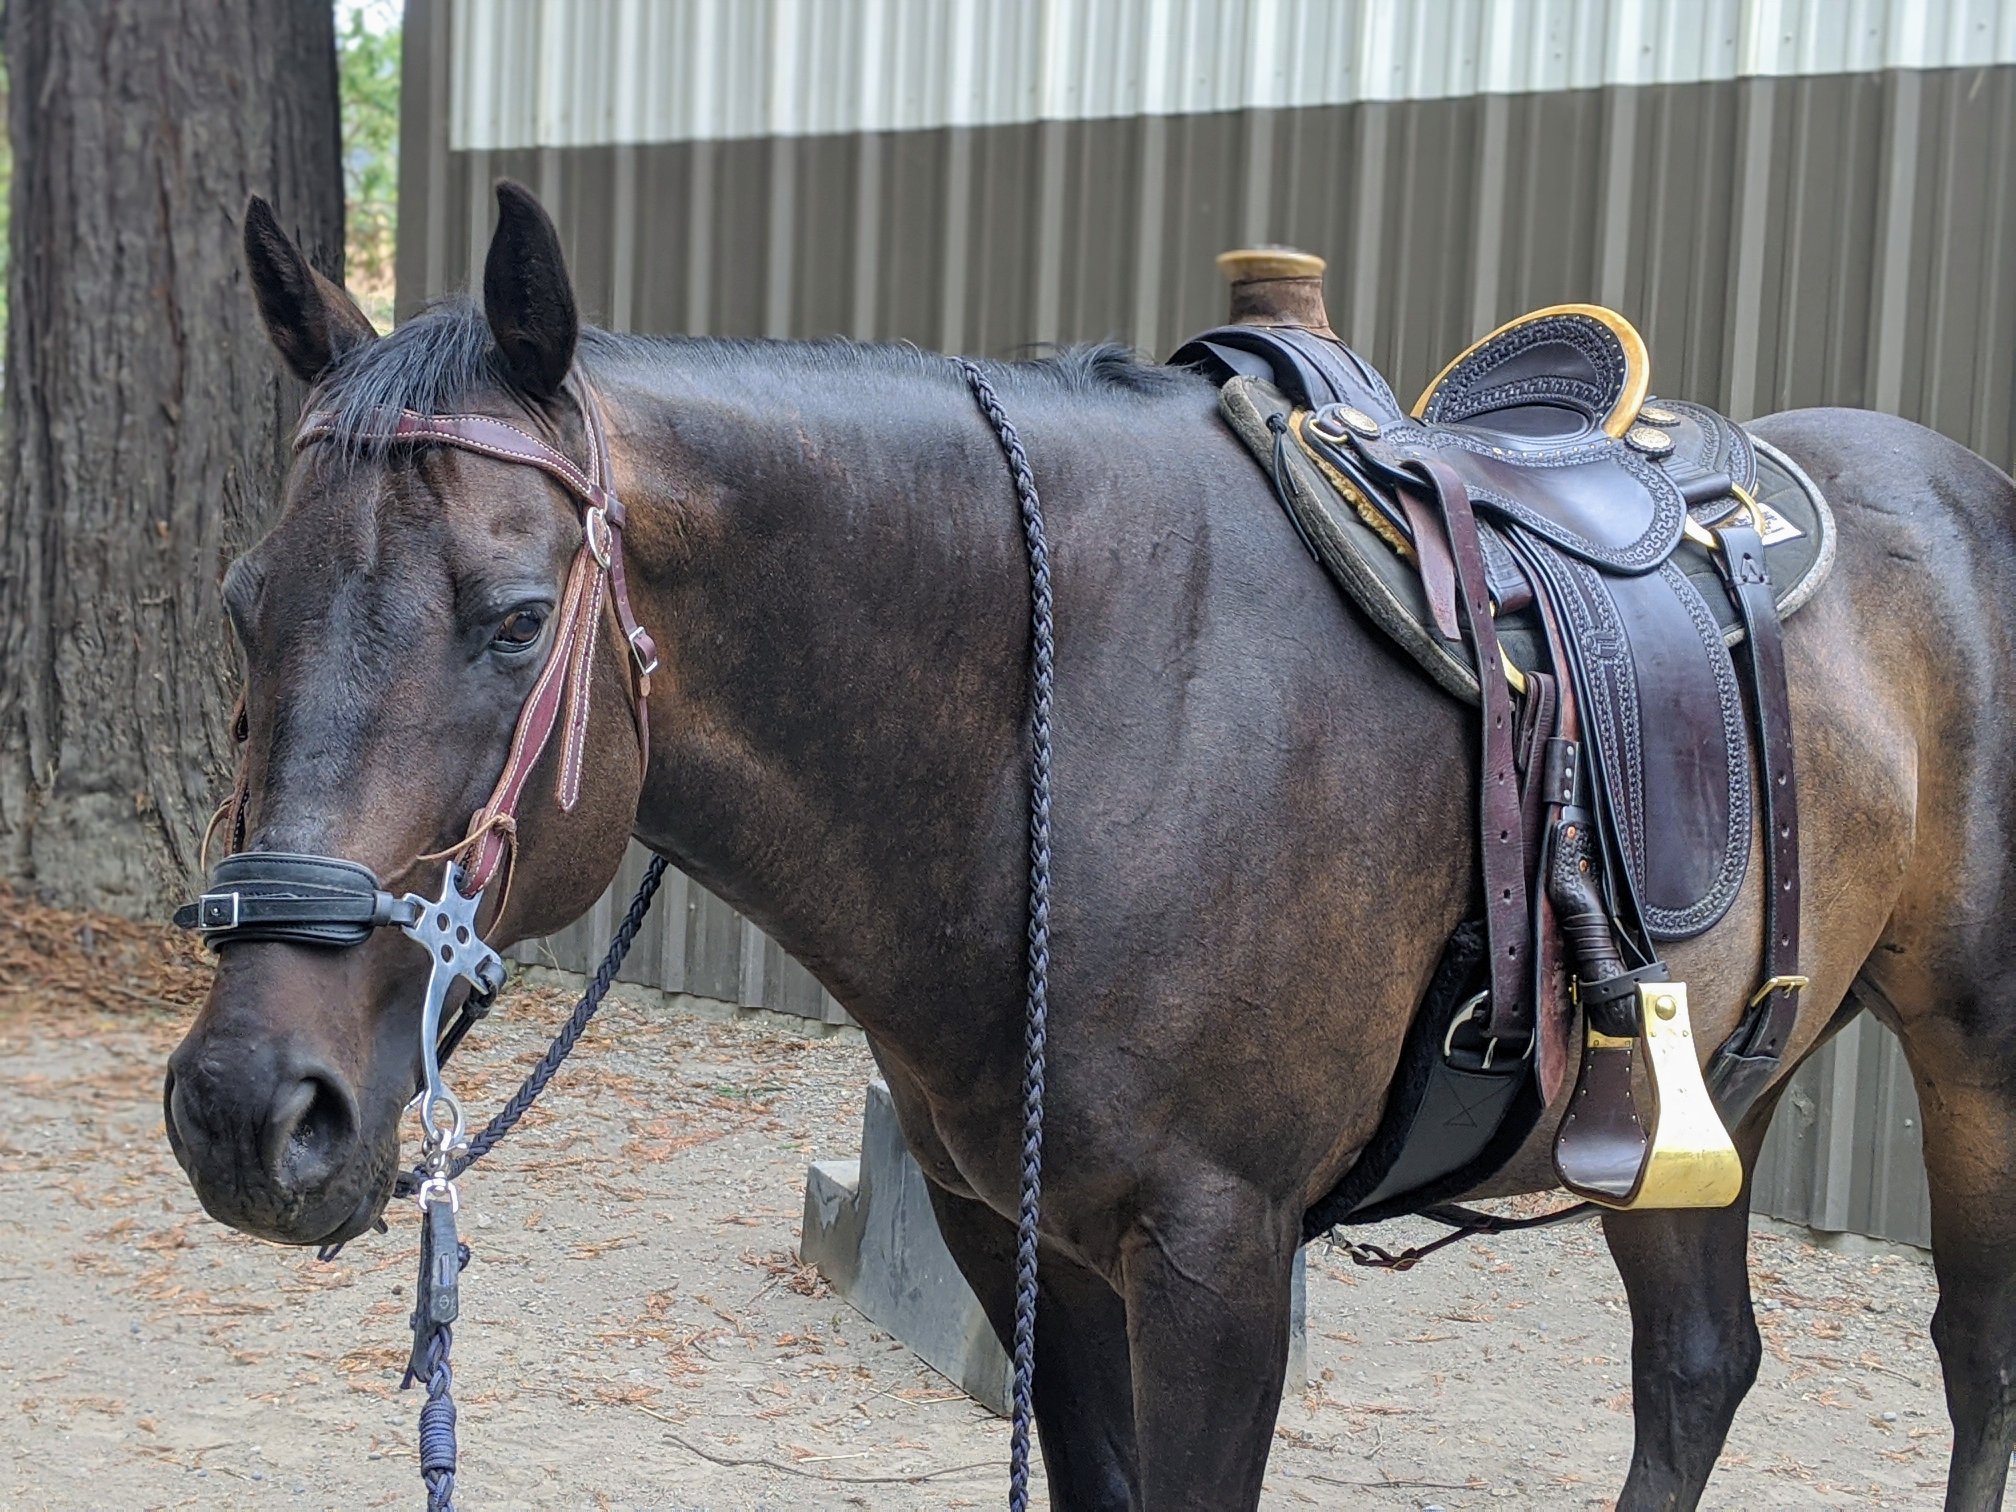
<point>437,1418</point>
<point>1042,668</point>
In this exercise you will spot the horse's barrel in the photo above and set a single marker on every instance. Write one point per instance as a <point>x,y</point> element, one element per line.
<point>1276,286</point>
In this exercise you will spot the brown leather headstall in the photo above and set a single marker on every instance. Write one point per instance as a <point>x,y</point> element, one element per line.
<point>597,577</point>
<point>323,900</point>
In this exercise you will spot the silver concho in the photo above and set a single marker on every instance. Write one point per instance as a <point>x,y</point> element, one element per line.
<point>1333,422</point>
<point>1658,414</point>
<point>1648,439</point>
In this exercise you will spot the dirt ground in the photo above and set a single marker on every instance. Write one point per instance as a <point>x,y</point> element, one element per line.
<point>636,1330</point>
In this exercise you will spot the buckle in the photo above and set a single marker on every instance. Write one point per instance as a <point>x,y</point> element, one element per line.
<point>647,660</point>
<point>1777,984</point>
<point>598,542</point>
<point>210,915</point>
<point>1474,1009</point>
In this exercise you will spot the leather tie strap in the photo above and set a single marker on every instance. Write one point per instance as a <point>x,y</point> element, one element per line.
<point>1501,830</point>
<point>1744,1065</point>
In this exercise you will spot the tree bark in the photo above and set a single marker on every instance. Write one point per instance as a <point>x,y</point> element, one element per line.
<point>144,431</point>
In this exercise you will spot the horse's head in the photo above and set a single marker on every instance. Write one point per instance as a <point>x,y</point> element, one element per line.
<point>398,627</point>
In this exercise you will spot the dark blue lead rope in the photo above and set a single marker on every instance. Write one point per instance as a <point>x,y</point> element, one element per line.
<point>1042,640</point>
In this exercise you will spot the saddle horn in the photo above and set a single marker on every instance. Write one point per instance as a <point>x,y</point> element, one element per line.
<point>1277,286</point>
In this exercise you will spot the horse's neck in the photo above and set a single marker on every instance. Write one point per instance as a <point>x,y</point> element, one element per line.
<point>837,579</point>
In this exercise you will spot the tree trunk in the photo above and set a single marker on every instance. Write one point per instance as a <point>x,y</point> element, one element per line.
<point>144,432</point>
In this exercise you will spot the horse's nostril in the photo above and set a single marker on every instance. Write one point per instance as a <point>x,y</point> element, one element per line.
<point>310,1132</point>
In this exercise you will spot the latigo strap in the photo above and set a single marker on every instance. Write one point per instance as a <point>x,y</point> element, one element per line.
<point>1745,1063</point>
<point>1501,827</point>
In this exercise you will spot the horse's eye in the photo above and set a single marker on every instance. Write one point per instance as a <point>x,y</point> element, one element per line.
<point>520,629</point>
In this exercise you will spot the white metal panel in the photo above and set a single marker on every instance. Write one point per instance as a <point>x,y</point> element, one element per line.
<point>558,73</point>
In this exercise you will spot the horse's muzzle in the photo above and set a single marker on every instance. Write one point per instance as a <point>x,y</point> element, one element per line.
<point>270,1139</point>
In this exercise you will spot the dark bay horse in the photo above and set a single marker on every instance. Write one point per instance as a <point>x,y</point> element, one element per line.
<point>1264,826</point>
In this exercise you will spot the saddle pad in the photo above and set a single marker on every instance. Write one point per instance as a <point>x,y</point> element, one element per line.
<point>1799,541</point>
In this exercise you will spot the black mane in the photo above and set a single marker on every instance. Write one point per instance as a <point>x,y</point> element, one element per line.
<point>439,359</point>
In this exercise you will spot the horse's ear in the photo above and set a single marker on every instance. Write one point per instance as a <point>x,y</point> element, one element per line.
<point>312,321</point>
<point>527,294</point>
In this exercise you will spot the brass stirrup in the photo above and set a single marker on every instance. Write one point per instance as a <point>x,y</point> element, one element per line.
<point>1689,1160</point>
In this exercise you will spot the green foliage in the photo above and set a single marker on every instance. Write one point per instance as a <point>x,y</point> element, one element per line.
<point>367,44</point>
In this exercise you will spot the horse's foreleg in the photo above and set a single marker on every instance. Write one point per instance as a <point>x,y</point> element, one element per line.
<point>1084,1393</point>
<point>1208,1302</point>
<point>1694,1343</point>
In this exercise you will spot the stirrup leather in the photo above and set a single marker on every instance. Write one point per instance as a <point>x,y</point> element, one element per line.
<point>1606,1153</point>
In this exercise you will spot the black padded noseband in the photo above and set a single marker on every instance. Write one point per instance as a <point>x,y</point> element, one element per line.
<point>301,900</point>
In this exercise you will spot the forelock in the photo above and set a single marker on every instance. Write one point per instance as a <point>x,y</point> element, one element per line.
<point>435,363</point>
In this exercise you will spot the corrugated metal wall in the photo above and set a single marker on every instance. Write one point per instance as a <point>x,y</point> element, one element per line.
<point>1785,229</point>
<point>1844,1152</point>
<point>560,73</point>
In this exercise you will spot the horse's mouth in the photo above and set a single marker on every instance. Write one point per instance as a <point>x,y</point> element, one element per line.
<point>232,1204</point>
<point>368,1215</point>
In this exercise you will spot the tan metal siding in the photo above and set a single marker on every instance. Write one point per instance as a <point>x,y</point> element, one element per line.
<point>1844,1152</point>
<point>1848,238</point>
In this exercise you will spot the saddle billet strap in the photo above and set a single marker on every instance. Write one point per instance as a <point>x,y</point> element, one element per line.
<point>1745,1063</point>
<point>1431,558</point>
<point>1552,791</point>
<point>1501,827</point>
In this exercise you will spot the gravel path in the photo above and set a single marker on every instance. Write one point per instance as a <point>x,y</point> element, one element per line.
<point>637,1331</point>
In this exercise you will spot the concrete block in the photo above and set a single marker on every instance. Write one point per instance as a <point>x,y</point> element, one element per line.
<point>870,1230</point>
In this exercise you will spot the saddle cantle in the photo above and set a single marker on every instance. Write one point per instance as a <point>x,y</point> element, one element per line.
<point>1579,559</point>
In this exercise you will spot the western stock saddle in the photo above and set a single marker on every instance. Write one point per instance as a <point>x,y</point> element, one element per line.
<point>1577,560</point>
